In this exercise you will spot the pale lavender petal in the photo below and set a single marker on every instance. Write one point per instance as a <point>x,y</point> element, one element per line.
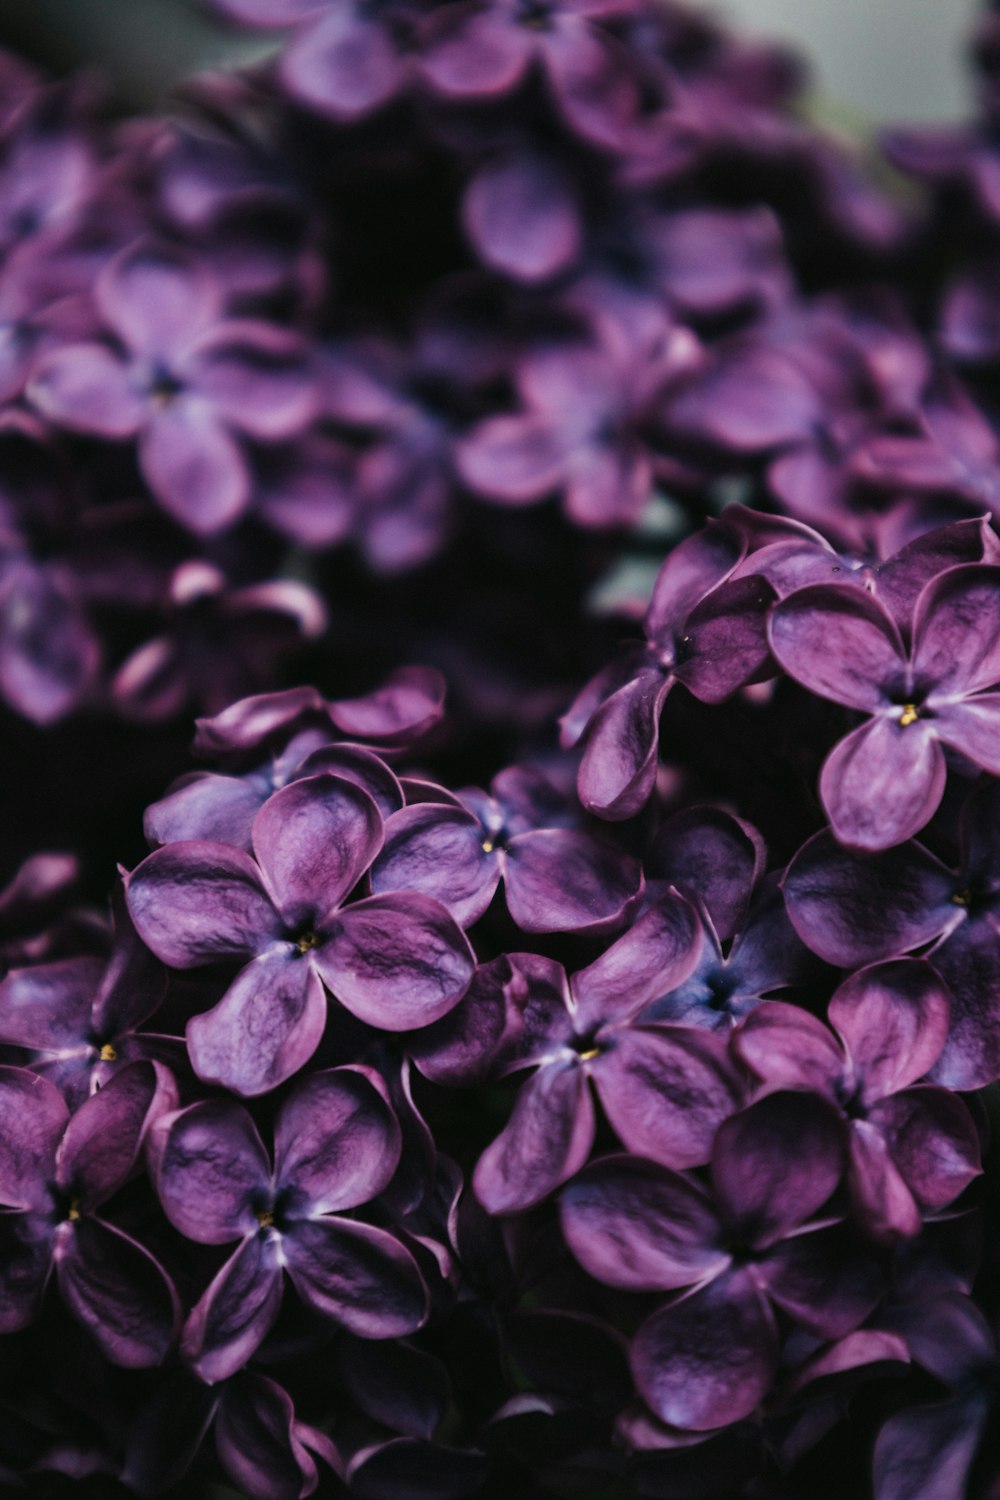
<point>336,1140</point>
<point>956,630</point>
<point>156,300</point>
<point>344,65</point>
<point>194,903</point>
<point>634,1224</point>
<point>49,653</point>
<point>210,1170</point>
<point>409,702</point>
<point>546,1140</point>
<point>560,880</point>
<point>361,1277</point>
<point>521,214</point>
<point>86,388</point>
<point>882,783</point>
<point>514,458</point>
<point>195,467</point>
<point>246,724</point>
<point>838,642</point>
<point>33,1116</point>
<point>116,1289</point>
<point>764,1189</point>
<point>219,809</point>
<point>256,379</point>
<point>266,1027</point>
<point>366,769</point>
<point>653,957</point>
<point>313,841</point>
<point>893,1019</point>
<point>472,53</point>
<point>398,962</point>
<point>237,1311</point>
<point>439,851</point>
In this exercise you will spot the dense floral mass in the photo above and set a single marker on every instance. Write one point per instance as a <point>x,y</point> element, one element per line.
<point>543,1036</point>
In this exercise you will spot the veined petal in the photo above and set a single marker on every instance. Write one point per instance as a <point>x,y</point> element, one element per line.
<point>882,783</point>
<point>546,1140</point>
<point>33,1116</point>
<point>313,841</point>
<point>336,1140</point>
<point>209,1167</point>
<point>893,1019</point>
<point>118,1291</point>
<point>196,902</point>
<point>266,1027</point>
<point>360,1276</point>
<point>238,1309</point>
<point>838,642</point>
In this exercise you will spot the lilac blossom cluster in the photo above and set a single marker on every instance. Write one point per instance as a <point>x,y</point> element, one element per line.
<point>568,1066</point>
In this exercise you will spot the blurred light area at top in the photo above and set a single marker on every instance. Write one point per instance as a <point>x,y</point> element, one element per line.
<point>889,60</point>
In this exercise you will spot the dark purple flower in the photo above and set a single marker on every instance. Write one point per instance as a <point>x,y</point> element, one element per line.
<point>56,1172</point>
<point>884,781</point>
<point>396,961</point>
<point>337,1146</point>
<point>183,378</point>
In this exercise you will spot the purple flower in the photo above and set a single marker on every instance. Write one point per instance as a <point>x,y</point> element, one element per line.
<point>184,379</point>
<point>556,878</point>
<point>396,961</point>
<point>55,1173</point>
<point>710,1356</point>
<point>911,1150</point>
<point>884,781</point>
<point>337,1145</point>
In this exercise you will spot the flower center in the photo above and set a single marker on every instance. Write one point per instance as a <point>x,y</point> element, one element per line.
<point>590,1054</point>
<point>307,941</point>
<point>266,1219</point>
<point>909,715</point>
<point>73,1212</point>
<point>108,1053</point>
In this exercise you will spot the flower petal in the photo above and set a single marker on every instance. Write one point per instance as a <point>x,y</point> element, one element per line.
<point>618,767</point>
<point>547,1138</point>
<point>101,1146</point>
<point>838,642</point>
<point>653,957</point>
<point>86,388</point>
<point>116,1289</point>
<point>927,1452</point>
<point>776,1163</point>
<point>438,850</point>
<point>266,1027</point>
<point>47,1007</point>
<point>238,1309</point>
<point>196,902</point>
<point>33,1116</point>
<point>882,783</point>
<point>210,1169</point>
<point>893,1019</point>
<point>360,1276</point>
<point>562,880</point>
<point>336,1140</point>
<point>933,1142</point>
<point>956,630</point>
<point>521,214</point>
<point>195,467</point>
<point>313,841</point>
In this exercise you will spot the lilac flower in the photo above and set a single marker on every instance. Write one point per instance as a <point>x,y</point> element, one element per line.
<point>884,781</point>
<point>852,908</point>
<point>337,1145</point>
<point>396,961</point>
<point>710,1356</point>
<point>705,630</point>
<point>556,877</point>
<point>183,378</point>
<point>49,652</point>
<point>55,1173</point>
<point>911,1150</point>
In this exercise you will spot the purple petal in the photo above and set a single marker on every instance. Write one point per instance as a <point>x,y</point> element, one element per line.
<point>266,1027</point>
<point>956,630</point>
<point>195,467</point>
<point>439,851</point>
<point>260,1444</point>
<point>217,809</point>
<point>560,880</point>
<point>210,1170</point>
<point>766,1188</point>
<point>363,767</point>
<point>247,724</point>
<point>693,569</point>
<point>237,1310</point>
<point>790,1049</point>
<point>33,1116</point>
<point>193,903</point>
<point>882,783</point>
<point>724,645</point>
<point>398,962</point>
<point>134,983</point>
<point>361,1277</point>
<point>665,1091</point>
<point>710,1358</point>
<point>49,654</point>
<point>926,1453</point>
<point>157,301</point>
<point>708,853</point>
<point>653,958</point>
<point>102,1143</point>
<point>546,1140</point>
<point>513,458</point>
<point>634,1224</point>
<point>460,1048</point>
<point>521,214</point>
<point>313,841</point>
<point>405,707</point>
<point>336,1140</point>
<point>829,1280</point>
<point>973,728</point>
<point>86,388</point>
<point>883,1204</point>
<point>853,908</point>
<point>255,378</point>
<point>893,1019</point>
<point>904,575</point>
<point>470,53</point>
<point>933,1142</point>
<point>118,1292</point>
<point>48,1007</point>
<point>618,768</point>
<point>838,642</point>
<point>25,1262</point>
<point>342,65</point>
<point>969,963</point>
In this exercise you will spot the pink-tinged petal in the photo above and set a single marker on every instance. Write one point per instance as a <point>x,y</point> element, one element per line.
<point>724,645</point>
<point>33,1116</point>
<point>829,1280</point>
<point>439,851</point>
<point>361,1277</point>
<point>237,1310</point>
<point>398,962</point>
<point>650,960</point>
<point>342,66</point>
<point>708,853</point>
<point>195,468</point>
<point>101,1147</point>
<point>790,1049</point>
<point>933,1141</point>
<point>409,703</point>
<point>546,1140</point>
<point>902,577</point>
<point>710,1358</point>
<point>852,908</point>
<point>883,1204</point>
<point>210,1171</point>
<point>152,682</point>
<point>256,378</point>
<point>634,1224</point>
<point>366,769</point>
<point>521,214</point>
<point>765,1187</point>
<point>893,1019</point>
<point>618,767</point>
<point>882,783</point>
<point>336,1140</point>
<point>926,1453</point>
<point>246,724</point>
<point>48,1007</point>
<point>313,841</point>
<point>194,903</point>
<point>692,570</point>
<point>218,809</point>
<point>956,630</point>
<point>751,400</point>
<point>118,1291</point>
<point>157,300</point>
<point>516,459</point>
<point>839,642</point>
<point>468,53</point>
<point>261,1446</point>
<point>666,1090</point>
<point>973,728</point>
<point>559,880</point>
<point>25,1263</point>
<point>86,387</point>
<point>49,654</point>
<point>266,1027</point>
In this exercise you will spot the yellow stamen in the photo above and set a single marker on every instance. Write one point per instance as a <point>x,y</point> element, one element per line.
<point>74,1211</point>
<point>909,714</point>
<point>589,1056</point>
<point>961,898</point>
<point>306,941</point>
<point>108,1053</point>
<point>488,846</point>
<point>266,1219</point>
